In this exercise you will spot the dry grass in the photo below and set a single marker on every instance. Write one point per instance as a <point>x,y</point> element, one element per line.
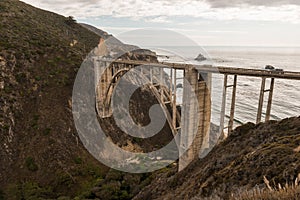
<point>288,192</point>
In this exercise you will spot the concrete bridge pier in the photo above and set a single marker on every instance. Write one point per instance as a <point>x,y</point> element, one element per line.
<point>195,116</point>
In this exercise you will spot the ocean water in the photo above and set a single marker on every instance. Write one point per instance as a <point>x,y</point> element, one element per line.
<point>286,98</point>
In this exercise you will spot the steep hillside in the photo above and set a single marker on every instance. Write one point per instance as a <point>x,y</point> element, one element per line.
<point>41,155</point>
<point>239,163</point>
<point>40,53</point>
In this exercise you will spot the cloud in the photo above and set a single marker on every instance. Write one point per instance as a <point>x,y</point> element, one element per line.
<point>159,19</point>
<point>287,13</point>
<point>237,3</point>
<point>162,11</point>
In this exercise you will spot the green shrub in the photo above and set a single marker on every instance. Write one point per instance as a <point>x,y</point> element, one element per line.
<point>34,122</point>
<point>29,191</point>
<point>78,160</point>
<point>64,180</point>
<point>47,131</point>
<point>94,171</point>
<point>30,164</point>
<point>1,195</point>
<point>70,20</point>
<point>21,77</point>
<point>63,198</point>
<point>38,78</point>
<point>124,195</point>
<point>32,191</point>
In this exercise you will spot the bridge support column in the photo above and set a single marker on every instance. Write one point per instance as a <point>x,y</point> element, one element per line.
<point>174,104</point>
<point>195,122</point>
<point>261,100</point>
<point>230,124</point>
<point>100,84</point>
<point>269,106</point>
<point>223,108</point>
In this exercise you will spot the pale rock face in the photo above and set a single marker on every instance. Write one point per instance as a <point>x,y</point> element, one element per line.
<point>2,65</point>
<point>1,85</point>
<point>2,61</point>
<point>101,50</point>
<point>73,43</point>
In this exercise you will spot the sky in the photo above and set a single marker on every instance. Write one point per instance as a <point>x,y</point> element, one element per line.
<point>207,22</point>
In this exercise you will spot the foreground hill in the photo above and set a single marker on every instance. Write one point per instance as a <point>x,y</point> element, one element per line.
<point>239,163</point>
<point>41,156</point>
<point>40,53</point>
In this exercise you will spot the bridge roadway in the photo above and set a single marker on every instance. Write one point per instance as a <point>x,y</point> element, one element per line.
<point>221,69</point>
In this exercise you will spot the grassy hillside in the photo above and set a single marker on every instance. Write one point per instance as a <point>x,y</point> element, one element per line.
<point>40,151</point>
<point>238,164</point>
<point>41,154</point>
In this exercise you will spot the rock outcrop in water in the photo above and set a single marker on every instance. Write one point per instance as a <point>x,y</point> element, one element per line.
<point>200,58</point>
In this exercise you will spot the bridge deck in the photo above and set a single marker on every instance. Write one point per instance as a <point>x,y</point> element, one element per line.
<point>221,69</point>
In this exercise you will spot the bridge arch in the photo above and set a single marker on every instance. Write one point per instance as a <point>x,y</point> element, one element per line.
<point>194,125</point>
<point>161,93</point>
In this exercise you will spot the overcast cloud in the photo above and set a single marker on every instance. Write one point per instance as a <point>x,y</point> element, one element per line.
<point>234,3</point>
<point>162,10</point>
